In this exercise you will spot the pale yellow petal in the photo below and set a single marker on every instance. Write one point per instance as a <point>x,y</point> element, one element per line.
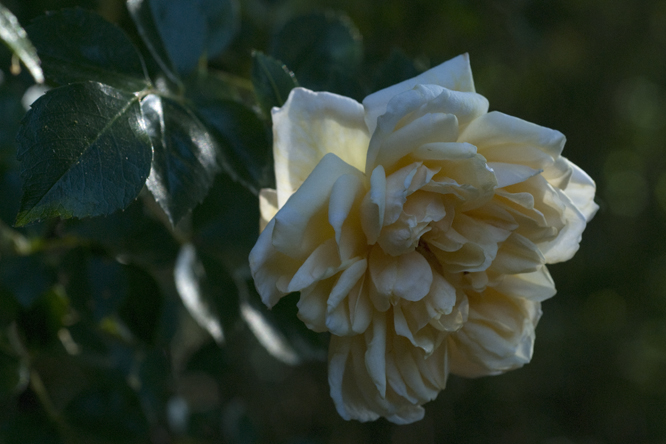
<point>310,125</point>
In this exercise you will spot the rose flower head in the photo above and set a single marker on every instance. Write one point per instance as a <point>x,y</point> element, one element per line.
<point>417,227</point>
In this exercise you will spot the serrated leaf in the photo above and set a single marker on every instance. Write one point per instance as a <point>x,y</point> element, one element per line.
<point>244,140</point>
<point>319,46</point>
<point>272,81</point>
<point>190,278</point>
<point>77,45</point>
<point>185,156</point>
<point>84,152</point>
<point>16,39</point>
<point>142,15</point>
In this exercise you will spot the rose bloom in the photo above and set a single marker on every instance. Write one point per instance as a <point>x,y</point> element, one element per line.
<point>417,227</point>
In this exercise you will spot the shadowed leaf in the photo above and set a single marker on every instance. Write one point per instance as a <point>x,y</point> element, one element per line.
<point>185,156</point>
<point>83,152</point>
<point>76,45</point>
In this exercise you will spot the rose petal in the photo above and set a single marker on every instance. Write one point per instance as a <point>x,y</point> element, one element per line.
<point>269,266</point>
<point>454,74</point>
<point>497,337</point>
<point>510,174</point>
<point>536,286</point>
<point>301,224</point>
<point>307,127</point>
<point>373,206</point>
<point>581,190</point>
<point>267,206</point>
<point>496,128</point>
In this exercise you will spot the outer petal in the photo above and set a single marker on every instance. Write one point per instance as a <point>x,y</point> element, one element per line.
<point>581,191</point>
<point>269,266</point>
<point>267,206</point>
<point>496,128</point>
<point>310,125</point>
<point>301,224</point>
<point>455,74</point>
<point>497,337</point>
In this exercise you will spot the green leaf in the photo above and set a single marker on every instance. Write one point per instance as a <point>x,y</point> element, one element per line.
<point>16,39</point>
<point>223,23</point>
<point>190,29</point>
<point>185,156</point>
<point>191,283</point>
<point>76,45</point>
<point>244,140</point>
<point>132,235</point>
<point>319,46</point>
<point>83,151</point>
<point>272,81</point>
<point>142,15</point>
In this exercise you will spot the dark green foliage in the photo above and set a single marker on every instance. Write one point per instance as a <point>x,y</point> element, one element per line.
<point>83,152</point>
<point>272,81</point>
<point>76,45</point>
<point>185,156</point>
<point>325,52</point>
<point>244,141</point>
<point>194,29</point>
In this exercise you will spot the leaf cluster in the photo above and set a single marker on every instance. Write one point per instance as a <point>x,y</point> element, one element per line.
<point>125,274</point>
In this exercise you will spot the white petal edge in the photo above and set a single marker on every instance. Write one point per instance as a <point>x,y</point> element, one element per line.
<point>455,74</point>
<point>310,125</point>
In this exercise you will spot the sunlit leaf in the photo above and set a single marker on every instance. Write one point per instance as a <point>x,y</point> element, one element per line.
<point>272,81</point>
<point>83,151</point>
<point>190,277</point>
<point>16,39</point>
<point>185,156</point>
<point>77,45</point>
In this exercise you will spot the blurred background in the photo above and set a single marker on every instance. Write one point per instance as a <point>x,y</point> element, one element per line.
<point>593,69</point>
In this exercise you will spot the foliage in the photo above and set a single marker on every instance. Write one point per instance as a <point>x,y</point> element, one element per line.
<point>126,309</point>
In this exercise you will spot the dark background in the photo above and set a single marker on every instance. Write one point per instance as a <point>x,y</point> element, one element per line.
<point>593,69</point>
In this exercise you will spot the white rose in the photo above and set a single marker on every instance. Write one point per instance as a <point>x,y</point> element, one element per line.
<point>416,228</point>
